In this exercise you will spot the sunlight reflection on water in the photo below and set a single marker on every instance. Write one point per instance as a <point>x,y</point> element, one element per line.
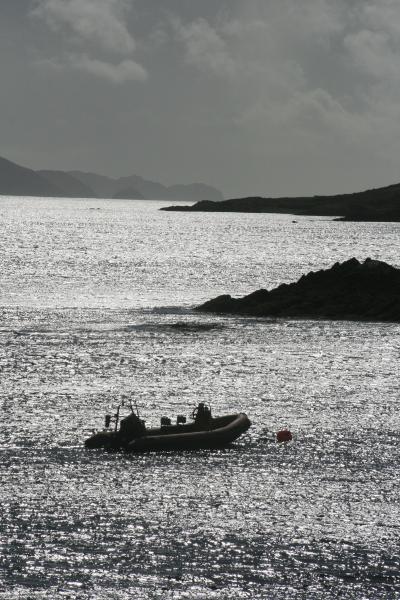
<point>88,315</point>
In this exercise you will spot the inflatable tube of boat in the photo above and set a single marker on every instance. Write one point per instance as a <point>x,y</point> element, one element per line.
<point>211,438</point>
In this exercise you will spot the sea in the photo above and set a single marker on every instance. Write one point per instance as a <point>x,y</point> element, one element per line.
<point>97,304</point>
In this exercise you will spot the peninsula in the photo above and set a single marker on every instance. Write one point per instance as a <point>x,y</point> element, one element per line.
<point>380,204</point>
<point>352,290</point>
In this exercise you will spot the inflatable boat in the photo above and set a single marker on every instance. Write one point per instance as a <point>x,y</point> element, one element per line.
<point>131,435</point>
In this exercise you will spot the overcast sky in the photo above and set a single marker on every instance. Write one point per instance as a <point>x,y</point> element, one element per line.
<point>256,97</point>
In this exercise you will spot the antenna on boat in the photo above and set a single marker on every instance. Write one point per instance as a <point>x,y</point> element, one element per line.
<point>117,416</point>
<point>131,405</point>
<point>137,408</point>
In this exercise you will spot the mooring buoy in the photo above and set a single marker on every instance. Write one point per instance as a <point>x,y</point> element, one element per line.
<point>284,435</point>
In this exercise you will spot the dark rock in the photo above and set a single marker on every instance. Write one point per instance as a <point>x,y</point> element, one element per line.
<point>368,291</point>
<point>381,204</point>
<point>194,327</point>
<point>194,192</point>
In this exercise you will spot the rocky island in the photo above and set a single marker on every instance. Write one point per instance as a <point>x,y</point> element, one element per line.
<point>352,290</point>
<point>380,204</point>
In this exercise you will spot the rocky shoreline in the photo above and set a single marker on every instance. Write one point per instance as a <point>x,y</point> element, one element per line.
<point>352,290</point>
<point>381,204</point>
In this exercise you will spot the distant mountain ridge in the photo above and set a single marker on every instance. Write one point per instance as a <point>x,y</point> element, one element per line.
<point>20,181</point>
<point>16,180</point>
<point>66,183</point>
<point>108,187</point>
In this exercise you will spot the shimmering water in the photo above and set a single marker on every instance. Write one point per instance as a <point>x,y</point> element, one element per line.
<point>91,293</point>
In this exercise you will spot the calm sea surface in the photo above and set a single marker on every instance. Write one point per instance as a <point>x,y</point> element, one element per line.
<point>90,295</point>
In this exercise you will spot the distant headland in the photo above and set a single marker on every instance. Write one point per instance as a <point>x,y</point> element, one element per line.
<point>16,180</point>
<point>380,204</point>
<point>352,290</point>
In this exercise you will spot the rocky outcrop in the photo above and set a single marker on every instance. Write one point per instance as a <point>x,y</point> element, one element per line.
<point>194,192</point>
<point>367,291</point>
<point>381,204</point>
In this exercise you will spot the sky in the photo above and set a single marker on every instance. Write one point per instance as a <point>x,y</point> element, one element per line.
<point>255,97</point>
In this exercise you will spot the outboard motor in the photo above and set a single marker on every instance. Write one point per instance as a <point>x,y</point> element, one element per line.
<point>107,421</point>
<point>180,420</point>
<point>165,421</point>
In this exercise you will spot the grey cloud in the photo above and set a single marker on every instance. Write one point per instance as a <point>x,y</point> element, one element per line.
<point>260,38</point>
<point>204,47</point>
<point>371,51</point>
<point>382,16</point>
<point>116,73</point>
<point>315,76</point>
<point>267,46</point>
<point>100,21</point>
<point>126,70</point>
<point>374,45</point>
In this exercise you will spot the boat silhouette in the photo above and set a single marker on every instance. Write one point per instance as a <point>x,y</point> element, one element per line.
<point>205,431</point>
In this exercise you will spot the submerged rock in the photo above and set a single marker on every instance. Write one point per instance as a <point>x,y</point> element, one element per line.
<point>194,327</point>
<point>367,291</point>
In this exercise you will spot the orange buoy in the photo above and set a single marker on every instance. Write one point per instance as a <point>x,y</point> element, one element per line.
<point>284,435</point>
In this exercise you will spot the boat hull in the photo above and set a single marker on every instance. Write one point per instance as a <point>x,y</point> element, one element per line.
<point>222,431</point>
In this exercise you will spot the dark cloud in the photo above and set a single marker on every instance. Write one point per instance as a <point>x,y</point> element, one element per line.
<point>255,97</point>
